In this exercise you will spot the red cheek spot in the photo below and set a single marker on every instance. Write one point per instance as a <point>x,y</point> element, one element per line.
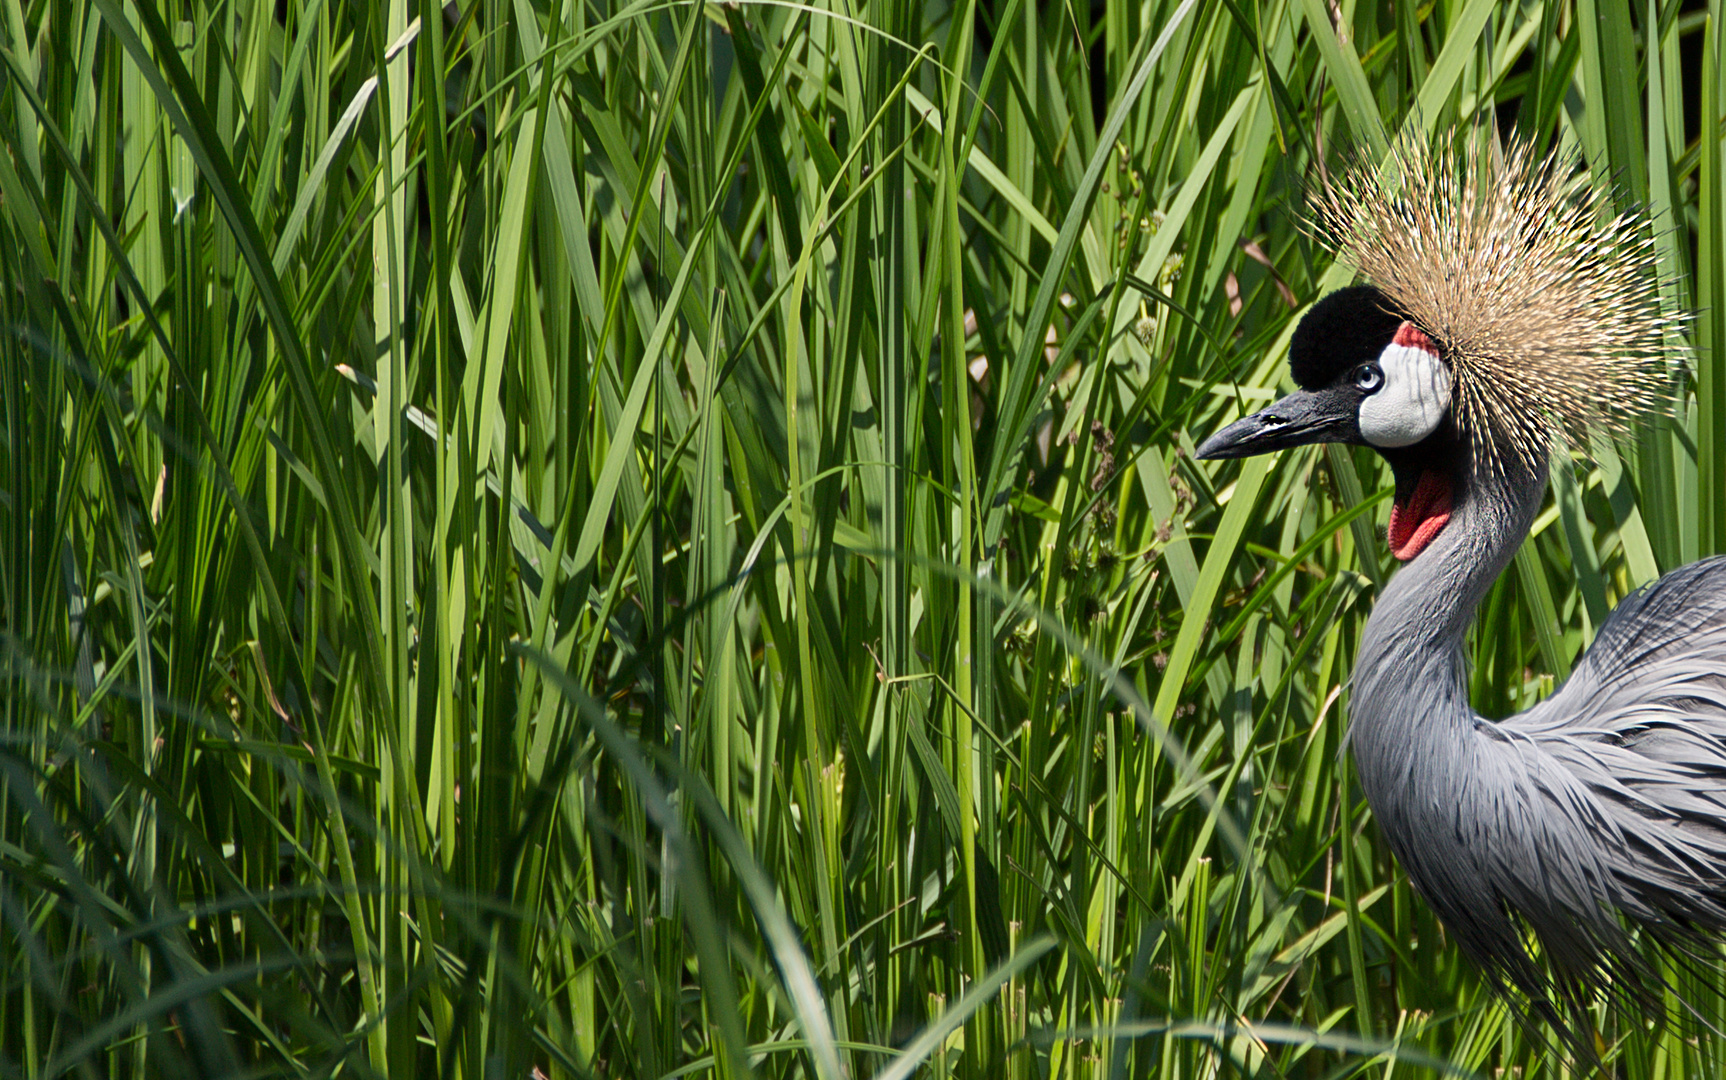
<point>1411,336</point>
<point>1415,522</point>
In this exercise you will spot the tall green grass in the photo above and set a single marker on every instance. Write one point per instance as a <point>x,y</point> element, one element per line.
<point>661,539</point>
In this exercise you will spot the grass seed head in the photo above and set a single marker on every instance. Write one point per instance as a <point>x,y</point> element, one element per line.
<point>1545,304</point>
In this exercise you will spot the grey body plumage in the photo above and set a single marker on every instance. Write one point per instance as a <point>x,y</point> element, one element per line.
<point>1610,795</point>
<point>1595,821</point>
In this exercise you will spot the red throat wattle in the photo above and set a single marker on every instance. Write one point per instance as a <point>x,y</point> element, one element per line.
<point>1419,518</point>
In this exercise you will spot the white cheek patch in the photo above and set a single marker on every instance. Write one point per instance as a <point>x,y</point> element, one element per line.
<point>1411,403</point>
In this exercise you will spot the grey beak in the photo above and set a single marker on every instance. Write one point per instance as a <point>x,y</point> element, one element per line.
<point>1305,416</point>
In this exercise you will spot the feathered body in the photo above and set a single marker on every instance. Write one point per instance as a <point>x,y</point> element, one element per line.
<point>1610,795</point>
<point>1506,312</point>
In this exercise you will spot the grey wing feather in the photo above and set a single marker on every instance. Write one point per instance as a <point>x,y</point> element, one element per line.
<point>1640,727</point>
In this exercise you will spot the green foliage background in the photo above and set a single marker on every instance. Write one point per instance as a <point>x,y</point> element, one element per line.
<point>660,538</point>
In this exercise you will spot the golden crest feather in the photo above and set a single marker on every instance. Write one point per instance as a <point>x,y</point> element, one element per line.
<point>1544,303</point>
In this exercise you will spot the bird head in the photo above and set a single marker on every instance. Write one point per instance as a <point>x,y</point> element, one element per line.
<point>1368,376</point>
<point>1506,307</point>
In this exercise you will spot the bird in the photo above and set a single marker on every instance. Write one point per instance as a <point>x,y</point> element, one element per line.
<point>1505,313</point>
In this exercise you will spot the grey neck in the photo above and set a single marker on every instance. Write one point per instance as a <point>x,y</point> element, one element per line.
<point>1410,681</point>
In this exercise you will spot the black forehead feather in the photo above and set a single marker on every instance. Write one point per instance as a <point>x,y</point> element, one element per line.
<point>1346,328</point>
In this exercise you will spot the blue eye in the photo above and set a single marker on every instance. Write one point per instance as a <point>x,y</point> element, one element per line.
<point>1368,377</point>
